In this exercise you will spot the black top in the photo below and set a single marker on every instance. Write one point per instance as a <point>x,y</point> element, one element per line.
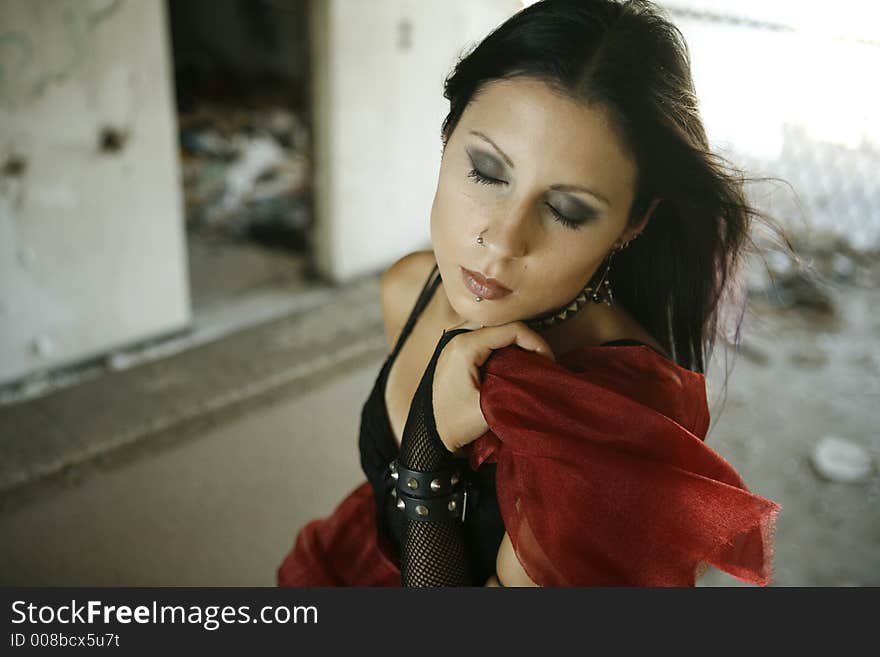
<point>483,525</point>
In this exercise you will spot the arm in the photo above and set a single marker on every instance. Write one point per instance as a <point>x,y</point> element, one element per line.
<point>432,548</point>
<point>433,551</point>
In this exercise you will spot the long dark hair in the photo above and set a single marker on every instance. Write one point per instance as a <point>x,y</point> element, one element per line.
<point>629,59</point>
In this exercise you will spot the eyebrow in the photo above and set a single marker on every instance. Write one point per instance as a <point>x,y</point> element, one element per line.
<point>559,187</point>
<point>495,146</point>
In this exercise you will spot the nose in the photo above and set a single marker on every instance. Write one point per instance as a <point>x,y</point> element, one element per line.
<point>509,233</point>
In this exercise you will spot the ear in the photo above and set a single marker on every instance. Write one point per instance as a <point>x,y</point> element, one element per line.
<point>639,227</point>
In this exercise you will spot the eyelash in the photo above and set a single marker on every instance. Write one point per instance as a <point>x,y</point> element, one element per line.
<point>486,180</point>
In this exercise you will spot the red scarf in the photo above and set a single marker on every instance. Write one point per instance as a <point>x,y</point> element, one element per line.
<point>603,479</point>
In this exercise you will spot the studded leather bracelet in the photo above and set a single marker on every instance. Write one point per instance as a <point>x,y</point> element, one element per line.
<point>430,496</point>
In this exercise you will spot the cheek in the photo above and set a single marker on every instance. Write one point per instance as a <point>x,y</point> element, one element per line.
<point>454,213</point>
<point>565,270</point>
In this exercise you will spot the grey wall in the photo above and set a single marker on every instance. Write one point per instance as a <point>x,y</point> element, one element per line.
<point>378,104</point>
<point>91,238</point>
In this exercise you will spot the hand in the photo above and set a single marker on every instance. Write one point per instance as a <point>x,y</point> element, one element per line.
<point>456,386</point>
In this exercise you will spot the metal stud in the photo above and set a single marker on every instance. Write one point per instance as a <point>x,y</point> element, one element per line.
<point>393,466</point>
<point>451,505</point>
<point>436,485</point>
<point>454,479</point>
<point>394,476</point>
<point>422,510</point>
<point>394,492</point>
<point>413,483</point>
<point>401,504</point>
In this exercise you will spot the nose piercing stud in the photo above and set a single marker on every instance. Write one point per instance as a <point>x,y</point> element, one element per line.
<point>480,241</point>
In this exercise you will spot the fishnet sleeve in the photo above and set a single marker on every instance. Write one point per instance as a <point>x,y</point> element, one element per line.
<point>432,552</point>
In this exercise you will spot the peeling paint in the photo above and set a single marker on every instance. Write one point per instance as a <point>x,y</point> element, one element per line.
<point>91,255</point>
<point>26,70</point>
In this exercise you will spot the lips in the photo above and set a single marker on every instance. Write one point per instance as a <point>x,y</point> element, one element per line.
<point>487,288</point>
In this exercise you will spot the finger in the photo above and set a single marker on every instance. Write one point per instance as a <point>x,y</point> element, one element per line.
<point>498,337</point>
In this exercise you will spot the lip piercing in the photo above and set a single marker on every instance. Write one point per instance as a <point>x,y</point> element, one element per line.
<point>480,241</point>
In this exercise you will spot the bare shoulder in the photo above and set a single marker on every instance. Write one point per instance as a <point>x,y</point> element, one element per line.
<point>399,287</point>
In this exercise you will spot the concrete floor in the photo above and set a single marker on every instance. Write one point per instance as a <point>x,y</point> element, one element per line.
<point>221,509</point>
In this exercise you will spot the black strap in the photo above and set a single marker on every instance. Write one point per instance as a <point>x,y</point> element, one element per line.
<point>428,484</point>
<point>434,509</point>
<point>623,342</point>
<point>422,301</point>
<point>630,342</point>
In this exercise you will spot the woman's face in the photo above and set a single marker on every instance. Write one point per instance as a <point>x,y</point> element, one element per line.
<point>520,154</point>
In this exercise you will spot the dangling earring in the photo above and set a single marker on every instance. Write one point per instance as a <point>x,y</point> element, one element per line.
<point>598,293</point>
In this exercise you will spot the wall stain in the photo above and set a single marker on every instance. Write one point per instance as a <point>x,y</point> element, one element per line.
<point>14,166</point>
<point>26,78</point>
<point>112,139</point>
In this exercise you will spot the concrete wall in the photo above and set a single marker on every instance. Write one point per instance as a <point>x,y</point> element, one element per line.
<point>91,232</point>
<point>92,244</point>
<point>378,105</point>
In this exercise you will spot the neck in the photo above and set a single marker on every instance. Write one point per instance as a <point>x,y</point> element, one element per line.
<point>592,325</point>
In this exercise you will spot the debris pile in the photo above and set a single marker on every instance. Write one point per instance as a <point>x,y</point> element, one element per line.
<point>246,173</point>
<point>778,280</point>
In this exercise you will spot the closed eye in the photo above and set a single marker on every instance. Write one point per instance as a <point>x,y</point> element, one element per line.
<point>565,221</point>
<point>484,180</point>
<point>558,216</point>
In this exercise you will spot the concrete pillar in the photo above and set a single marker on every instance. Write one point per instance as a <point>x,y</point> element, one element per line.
<point>92,252</point>
<point>378,71</point>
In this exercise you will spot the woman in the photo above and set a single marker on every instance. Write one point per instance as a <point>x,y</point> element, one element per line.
<point>573,139</point>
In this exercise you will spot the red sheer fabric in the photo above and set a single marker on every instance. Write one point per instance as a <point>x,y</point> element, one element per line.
<point>603,479</point>
<point>343,549</point>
